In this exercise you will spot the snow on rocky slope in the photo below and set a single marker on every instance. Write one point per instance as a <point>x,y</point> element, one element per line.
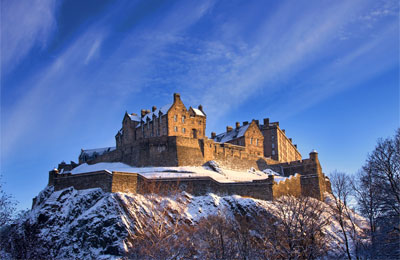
<point>72,224</point>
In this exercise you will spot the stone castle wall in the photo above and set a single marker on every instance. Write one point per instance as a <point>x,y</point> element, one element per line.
<point>137,184</point>
<point>185,151</point>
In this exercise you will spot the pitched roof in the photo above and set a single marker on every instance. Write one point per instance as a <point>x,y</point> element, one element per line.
<point>198,112</point>
<point>231,135</point>
<point>134,117</point>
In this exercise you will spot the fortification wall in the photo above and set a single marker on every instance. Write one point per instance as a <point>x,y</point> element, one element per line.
<point>135,183</point>
<point>181,151</point>
<point>290,186</point>
<point>100,179</point>
<point>189,151</point>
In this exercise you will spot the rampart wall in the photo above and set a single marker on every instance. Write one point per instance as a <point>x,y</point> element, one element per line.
<point>290,186</point>
<point>135,183</point>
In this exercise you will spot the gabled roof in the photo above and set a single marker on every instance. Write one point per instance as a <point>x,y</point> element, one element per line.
<point>231,135</point>
<point>135,118</point>
<point>198,112</point>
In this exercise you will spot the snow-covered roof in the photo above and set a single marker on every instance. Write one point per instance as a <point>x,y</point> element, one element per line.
<point>231,135</point>
<point>134,117</point>
<point>163,110</point>
<point>98,151</point>
<point>198,112</point>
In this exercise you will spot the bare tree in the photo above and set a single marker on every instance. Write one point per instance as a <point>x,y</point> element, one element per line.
<point>7,206</point>
<point>214,237</point>
<point>341,188</point>
<point>377,189</point>
<point>296,229</point>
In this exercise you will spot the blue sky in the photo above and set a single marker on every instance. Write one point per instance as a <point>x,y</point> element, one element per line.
<point>327,70</point>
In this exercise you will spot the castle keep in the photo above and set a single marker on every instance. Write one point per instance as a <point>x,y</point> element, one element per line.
<point>174,135</point>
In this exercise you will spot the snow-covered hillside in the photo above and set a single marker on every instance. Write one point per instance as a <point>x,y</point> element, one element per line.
<point>72,224</point>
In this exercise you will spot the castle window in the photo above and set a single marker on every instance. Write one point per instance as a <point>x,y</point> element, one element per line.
<point>199,122</point>
<point>175,118</point>
<point>251,140</point>
<point>175,128</point>
<point>183,119</point>
<point>273,152</point>
<point>183,130</point>
<point>273,145</point>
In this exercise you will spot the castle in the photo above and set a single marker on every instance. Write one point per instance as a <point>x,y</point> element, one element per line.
<point>174,135</point>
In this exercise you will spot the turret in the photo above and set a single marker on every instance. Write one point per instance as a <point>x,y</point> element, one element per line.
<point>52,175</point>
<point>314,155</point>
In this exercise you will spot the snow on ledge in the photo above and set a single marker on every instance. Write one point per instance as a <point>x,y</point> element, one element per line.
<point>174,172</point>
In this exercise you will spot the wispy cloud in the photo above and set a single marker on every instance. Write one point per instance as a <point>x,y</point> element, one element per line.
<point>74,82</point>
<point>24,25</point>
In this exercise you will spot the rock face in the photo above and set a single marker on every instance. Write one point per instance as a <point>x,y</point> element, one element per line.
<point>92,224</point>
<point>70,224</point>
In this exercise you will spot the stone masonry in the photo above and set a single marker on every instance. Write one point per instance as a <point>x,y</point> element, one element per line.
<point>174,135</point>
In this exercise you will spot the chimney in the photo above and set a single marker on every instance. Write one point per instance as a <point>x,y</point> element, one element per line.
<point>314,155</point>
<point>237,125</point>
<point>213,135</point>
<point>200,108</point>
<point>177,97</point>
<point>154,108</point>
<point>143,112</point>
<point>245,123</point>
<point>229,128</point>
<point>266,121</point>
<point>257,122</point>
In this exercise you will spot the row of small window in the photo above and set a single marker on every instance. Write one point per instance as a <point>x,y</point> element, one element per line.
<point>183,119</point>
<point>251,141</point>
<point>176,129</point>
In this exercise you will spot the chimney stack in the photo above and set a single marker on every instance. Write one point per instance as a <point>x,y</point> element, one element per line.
<point>200,108</point>
<point>213,135</point>
<point>229,128</point>
<point>266,121</point>
<point>177,97</point>
<point>257,122</point>
<point>143,112</point>
<point>245,123</point>
<point>154,108</point>
<point>237,125</point>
